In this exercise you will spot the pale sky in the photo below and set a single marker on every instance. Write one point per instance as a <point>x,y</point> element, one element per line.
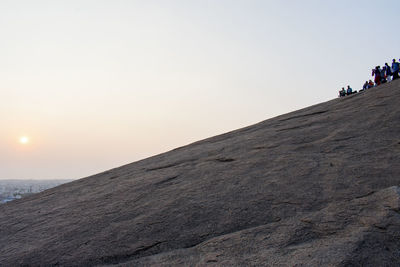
<point>96,84</point>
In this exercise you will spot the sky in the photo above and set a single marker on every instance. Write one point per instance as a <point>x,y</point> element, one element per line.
<point>96,84</point>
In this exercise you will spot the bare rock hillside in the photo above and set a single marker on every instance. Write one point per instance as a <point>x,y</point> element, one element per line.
<point>319,186</point>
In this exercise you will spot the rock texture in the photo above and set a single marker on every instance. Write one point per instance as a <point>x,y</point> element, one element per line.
<point>314,187</point>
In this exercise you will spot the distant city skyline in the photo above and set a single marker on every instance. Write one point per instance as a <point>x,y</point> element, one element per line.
<point>88,85</point>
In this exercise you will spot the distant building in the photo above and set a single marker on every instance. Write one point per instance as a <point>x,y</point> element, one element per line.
<point>16,189</point>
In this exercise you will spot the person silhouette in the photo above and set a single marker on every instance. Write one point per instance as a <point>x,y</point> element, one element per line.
<point>365,86</point>
<point>395,69</point>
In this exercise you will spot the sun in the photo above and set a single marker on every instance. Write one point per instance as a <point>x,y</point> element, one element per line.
<point>24,140</point>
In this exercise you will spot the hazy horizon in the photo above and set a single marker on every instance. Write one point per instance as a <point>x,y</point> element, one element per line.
<point>89,85</point>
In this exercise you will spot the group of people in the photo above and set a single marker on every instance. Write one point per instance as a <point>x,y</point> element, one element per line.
<point>348,91</point>
<point>382,75</point>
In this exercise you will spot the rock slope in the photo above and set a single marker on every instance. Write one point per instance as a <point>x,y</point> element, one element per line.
<point>314,187</point>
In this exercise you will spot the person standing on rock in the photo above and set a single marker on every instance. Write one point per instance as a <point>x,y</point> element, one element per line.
<point>388,72</point>
<point>383,75</point>
<point>377,73</point>
<point>395,69</point>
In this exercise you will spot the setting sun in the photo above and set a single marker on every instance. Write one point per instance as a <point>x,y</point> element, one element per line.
<point>24,140</point>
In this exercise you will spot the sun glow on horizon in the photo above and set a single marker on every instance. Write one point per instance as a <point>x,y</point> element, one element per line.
<point>24,140</point>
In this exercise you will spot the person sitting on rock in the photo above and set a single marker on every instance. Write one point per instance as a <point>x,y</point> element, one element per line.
<point>342,92</point>
<point>349,90</point>
<point>370,84</point>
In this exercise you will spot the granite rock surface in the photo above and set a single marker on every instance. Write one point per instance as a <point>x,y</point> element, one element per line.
<point>315,187</point>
